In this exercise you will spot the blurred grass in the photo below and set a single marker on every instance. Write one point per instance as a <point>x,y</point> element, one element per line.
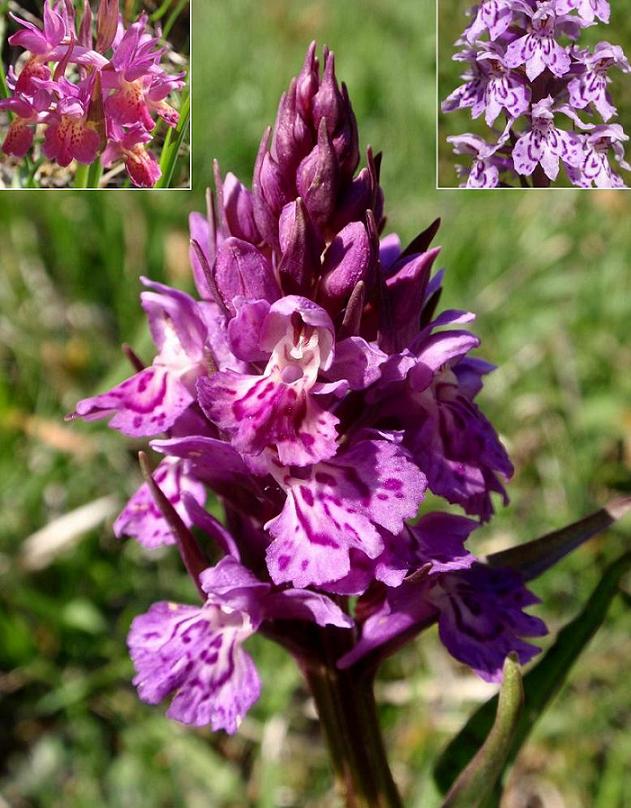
<point>452,20</point>
<point>549,277</point>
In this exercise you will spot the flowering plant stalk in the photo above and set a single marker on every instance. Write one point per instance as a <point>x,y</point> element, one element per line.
<point>315,387</point>
<point>93,88</point>
<point>544,97</point>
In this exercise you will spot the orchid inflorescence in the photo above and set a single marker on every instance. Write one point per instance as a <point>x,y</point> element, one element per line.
<point>313,387</point>
<point>524,61</point>
<point>95,87</point>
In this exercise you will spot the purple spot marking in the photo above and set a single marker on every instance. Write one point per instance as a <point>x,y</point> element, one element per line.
<point>283,562</point>
<point>392,484</point>
<point>325,479</point>
<point>307,495</point>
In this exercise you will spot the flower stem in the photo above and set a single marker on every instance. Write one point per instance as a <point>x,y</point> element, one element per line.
<point>94,174</point>
<point>81,176</point>
<point>346,706</point>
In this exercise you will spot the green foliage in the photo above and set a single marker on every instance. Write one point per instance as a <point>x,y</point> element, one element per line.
<point>541,684</point>
<point>549,277</point>
<point>477,780</point>
<point>173,144</point>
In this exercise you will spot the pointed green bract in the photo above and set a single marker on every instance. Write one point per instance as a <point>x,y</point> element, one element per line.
<point>541,684</point>
<point>191,554</point>
<point>534,557</point>
<point>477,781</point>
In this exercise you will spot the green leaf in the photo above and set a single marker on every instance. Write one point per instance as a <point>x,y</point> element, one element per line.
<point>535,557</point>
<point>172,144</point>
<point>541,683</point>
<point>477,780</point>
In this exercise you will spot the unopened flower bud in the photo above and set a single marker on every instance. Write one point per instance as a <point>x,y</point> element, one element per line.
<point>307,83</point>
<point>317,179</point>
<point>269,194</point>
<point>301,247</point>
<point>347,261</point>
<point>331,103</point>
<point>106,24</point>
<point>85,29</point>
<point>241,270</point>
<point>235,208</point>
<point>293,139</point>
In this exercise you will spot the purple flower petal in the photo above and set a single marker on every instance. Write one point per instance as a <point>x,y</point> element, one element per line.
<point>338,506</point>
<point>146,404</point>
<point>141,518</point>
<point>195,654</point>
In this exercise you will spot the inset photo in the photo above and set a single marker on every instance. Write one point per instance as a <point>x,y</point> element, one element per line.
<point>533,94</point>
<point>95,94</point>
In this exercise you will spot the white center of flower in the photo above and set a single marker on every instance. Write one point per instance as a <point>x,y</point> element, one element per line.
<point>296,357</point>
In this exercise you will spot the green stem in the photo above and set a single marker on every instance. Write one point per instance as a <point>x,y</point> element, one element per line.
<point>348,714</point>
<point>172,144</point>
<point>4,88</point>
<point>161,11</point>
<point>81,176</point>
<point>94,174</point>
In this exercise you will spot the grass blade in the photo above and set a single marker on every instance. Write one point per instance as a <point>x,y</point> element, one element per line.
<point>541,683</point>
<point>172,19</point>
<point>159,13</point>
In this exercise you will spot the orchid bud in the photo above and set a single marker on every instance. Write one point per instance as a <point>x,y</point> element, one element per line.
<point>357,197</point>
<point>332,104</point>
<point>241,270</point>
<point>307,83</point>
<point>317,179</point>
<point>107,18</point>
<point>347,261</point>
<point>301,248</point>
<point>293,139</point>
<point>85,29</point>
<point>328,102</point>
<point>234,202</point>
<point>269,194</point>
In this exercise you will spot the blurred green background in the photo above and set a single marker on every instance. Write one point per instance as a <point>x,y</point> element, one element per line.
<point>549,276</point>
<point>452,20</point>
